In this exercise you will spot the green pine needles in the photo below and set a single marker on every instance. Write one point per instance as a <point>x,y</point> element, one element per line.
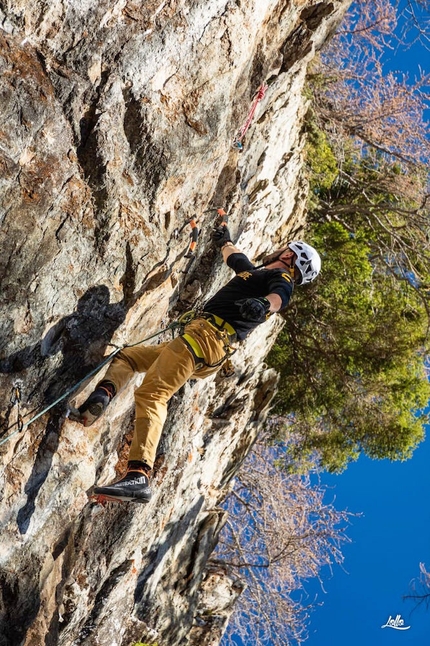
<point>352,354</point>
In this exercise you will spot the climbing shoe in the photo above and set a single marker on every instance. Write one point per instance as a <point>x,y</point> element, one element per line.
<point>133,487</point>
<point>94,406</point>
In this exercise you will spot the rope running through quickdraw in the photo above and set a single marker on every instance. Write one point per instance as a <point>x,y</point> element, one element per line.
<point>237,142</point>
<point>16,395</point>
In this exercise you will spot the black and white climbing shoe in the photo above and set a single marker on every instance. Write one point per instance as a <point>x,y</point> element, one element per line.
<point>133,487</point>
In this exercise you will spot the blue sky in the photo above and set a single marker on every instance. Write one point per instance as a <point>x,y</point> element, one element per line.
<point>389,541</point>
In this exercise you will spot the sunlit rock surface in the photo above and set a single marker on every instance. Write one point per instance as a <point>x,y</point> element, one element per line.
<point>117,124</point>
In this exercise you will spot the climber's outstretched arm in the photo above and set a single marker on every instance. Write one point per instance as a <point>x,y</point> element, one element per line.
<point>221,238</point>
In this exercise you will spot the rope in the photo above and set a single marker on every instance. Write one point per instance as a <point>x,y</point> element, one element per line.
<point>22,426</point>
<point>242,132</point>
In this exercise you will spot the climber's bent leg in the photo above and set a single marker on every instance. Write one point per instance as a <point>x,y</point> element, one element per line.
<point>171,370</point>
<point>122,368</point>
<point>174,366</point>
<point>132,360</point>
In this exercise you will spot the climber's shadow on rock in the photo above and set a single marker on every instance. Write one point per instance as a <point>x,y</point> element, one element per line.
<point>41,468</point>
<point>81,337</point>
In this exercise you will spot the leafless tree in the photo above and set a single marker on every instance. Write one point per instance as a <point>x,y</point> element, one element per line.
<point>280,533</point>
<point>356,98</point>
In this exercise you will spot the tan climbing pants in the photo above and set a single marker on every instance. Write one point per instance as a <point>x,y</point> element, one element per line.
<point>168,366</point>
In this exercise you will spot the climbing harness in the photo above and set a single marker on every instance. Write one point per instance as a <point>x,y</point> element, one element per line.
<point>237,141</point>
<point>220,325</point>
<point>22,426</point>
<point>225,332</point>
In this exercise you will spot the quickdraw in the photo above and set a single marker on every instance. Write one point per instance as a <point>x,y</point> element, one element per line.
<point>194,235</point>
<point>15,400</point>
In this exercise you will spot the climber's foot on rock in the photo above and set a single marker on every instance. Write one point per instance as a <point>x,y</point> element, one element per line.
<point>133,487</point>
<point>94,406</point>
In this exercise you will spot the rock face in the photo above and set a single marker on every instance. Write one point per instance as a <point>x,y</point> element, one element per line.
<point>117,123</point>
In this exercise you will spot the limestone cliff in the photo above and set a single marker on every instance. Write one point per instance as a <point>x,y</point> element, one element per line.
<point>117,122</point>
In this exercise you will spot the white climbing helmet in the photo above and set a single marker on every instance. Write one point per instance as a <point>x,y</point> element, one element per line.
<point>308,261</point>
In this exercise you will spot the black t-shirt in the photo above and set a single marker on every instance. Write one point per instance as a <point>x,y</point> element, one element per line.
<point>248,283</point>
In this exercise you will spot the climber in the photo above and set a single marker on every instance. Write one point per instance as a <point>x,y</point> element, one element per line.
<point>202,348</point>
